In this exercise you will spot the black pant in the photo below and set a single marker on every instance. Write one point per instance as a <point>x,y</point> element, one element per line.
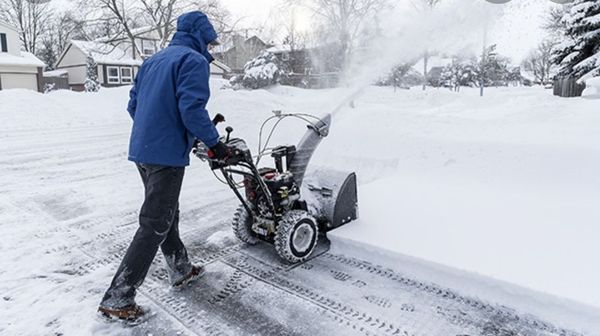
<point>159,226</point>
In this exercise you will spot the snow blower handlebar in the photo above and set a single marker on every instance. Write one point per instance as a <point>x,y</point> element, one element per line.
<point>240,156</point>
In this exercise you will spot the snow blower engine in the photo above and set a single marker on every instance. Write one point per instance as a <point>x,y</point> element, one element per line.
<point>277,207</point>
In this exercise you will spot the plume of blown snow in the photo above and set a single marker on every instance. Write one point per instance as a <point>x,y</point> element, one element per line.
<point>407,32</point>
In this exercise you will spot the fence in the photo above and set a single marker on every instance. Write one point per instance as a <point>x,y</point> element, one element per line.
<point>313,81</point>
<point>568,87</point>
<point>60,83</point>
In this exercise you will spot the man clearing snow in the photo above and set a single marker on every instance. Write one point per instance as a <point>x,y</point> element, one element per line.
<point>167,104</point>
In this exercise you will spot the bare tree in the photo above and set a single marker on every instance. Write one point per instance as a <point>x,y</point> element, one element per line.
<point>161,15</point>
<point>219,16</point>
<point>60,29</point>
<point>29,17</point>
<point>342,18</point>
<point>121,13</point>
<point>539,62</point>
<point>284,23</point>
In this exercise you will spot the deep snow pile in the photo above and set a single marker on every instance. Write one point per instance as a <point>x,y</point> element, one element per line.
<point>505,186</point>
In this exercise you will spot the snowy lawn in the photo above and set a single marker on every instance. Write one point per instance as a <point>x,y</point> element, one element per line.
<point>506,186</point>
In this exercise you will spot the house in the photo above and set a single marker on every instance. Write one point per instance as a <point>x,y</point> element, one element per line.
<point>435,68</point>
<point>240,50</point>
<point>18,69</point>
<point>146,39</point>
<point>117,62</point>
<point>115,66</point>
<point>149,42</point>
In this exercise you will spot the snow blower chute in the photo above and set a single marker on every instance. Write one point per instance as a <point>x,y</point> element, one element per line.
<point>280,204</point>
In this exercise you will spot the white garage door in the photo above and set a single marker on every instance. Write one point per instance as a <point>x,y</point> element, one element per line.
<point>19,81</point>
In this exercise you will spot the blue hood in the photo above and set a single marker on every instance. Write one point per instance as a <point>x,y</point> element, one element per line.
<point>194,30</point>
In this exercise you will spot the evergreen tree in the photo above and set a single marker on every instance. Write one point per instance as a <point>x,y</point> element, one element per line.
<point>579,54</point>
<point>91,79</point>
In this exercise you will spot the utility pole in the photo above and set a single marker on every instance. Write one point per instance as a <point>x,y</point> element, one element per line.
<point>483,60</point>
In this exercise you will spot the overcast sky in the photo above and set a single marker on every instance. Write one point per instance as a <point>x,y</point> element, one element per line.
<point>516,33</point>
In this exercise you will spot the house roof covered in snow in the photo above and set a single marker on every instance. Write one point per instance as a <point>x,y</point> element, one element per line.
<point>105,53</point>
<point>280,49</point>
<point>56,73</point>
<point>230,44</point>
<point>9,26</point>
<point>26,59</point>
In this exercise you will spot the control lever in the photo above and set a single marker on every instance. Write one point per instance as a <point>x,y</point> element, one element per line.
<point>229,129</point>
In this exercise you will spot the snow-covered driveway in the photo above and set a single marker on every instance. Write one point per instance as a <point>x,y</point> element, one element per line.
<point>68,209</point>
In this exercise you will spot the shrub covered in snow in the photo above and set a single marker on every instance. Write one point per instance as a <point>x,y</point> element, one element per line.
<point>264,70</point>
<point>459,73</point>
<point>592,89</point>
<point>402,75</point>
<point>91,79</point>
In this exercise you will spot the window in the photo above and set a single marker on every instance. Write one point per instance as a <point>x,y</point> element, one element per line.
<point>126,75</point>
<point>148,48</point>
<point>3,44</point>
<point>148,51</point>
<point>112,73</point>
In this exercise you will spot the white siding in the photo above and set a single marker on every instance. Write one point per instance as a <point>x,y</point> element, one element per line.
<point>76,75</point>
<point>18,69</point>
<point>73,56</point>
<point>12,41</point>
<point>19,81</point>
<point>100,74</point>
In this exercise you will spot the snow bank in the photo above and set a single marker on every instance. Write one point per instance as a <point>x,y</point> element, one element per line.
<point>505,186</point>
<point>592,88</point>
<point>25,110</point>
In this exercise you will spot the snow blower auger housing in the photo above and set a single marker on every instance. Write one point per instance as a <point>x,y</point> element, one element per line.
<point>273,208</point>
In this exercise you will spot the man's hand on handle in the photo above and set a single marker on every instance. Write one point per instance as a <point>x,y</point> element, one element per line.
<point>219,152</point>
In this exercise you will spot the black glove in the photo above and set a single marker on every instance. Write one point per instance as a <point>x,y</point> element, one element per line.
<point>220,152</point>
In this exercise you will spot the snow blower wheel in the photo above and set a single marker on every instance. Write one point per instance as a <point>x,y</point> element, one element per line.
<point>242,226</point>
<point>296,236</point>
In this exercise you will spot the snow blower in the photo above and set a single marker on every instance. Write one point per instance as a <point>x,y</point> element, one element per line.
<point>280,205</point>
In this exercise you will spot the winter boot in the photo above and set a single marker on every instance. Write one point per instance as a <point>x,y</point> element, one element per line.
<point>196,273</point>
<point>129,313</point>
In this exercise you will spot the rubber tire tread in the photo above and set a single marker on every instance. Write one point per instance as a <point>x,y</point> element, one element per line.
<point>242,226</point>
<point>283,235</point>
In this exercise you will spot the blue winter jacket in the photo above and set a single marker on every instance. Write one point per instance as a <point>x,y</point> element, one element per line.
<point>169,96</point>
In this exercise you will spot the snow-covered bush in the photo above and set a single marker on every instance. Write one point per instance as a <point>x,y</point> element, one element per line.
<point>592,88</point>
<point>263,71</point>
<point>91,79</point>
<point>402,75</point>
<point>458,73</point>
